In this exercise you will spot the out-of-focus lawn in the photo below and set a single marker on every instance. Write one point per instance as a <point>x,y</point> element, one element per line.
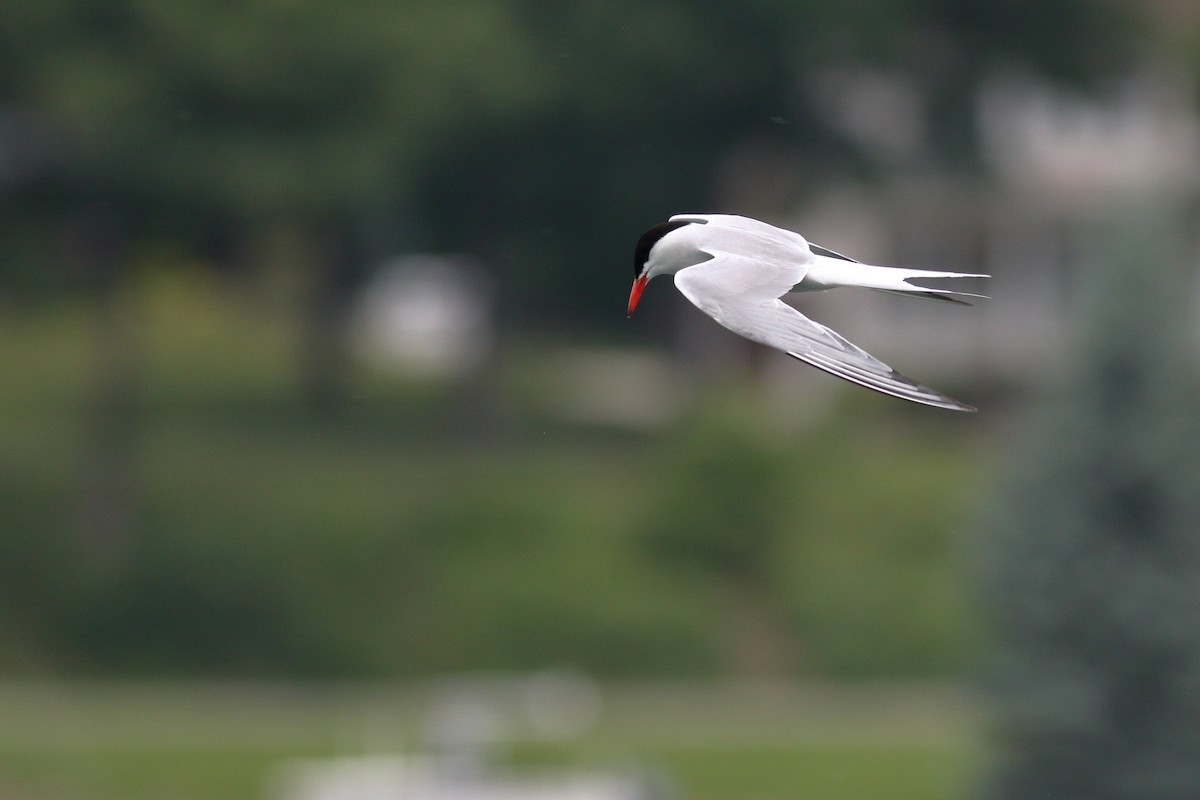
<point>835,771</point>
<point>709,742</point>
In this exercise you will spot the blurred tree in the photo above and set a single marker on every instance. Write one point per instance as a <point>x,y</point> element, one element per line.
<point>200,121</point>
<point>543,135</point>
<point>304,115</point>
<point>96,244</point>
<point>719,515</point>
<point>1094,556</point>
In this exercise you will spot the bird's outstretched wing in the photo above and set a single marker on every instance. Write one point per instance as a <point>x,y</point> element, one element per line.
<point>743,295</point>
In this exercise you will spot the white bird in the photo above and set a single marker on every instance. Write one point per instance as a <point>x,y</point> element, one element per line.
<point>735,269</point>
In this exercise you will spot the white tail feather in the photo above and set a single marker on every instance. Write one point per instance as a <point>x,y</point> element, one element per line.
<point>829,273</point>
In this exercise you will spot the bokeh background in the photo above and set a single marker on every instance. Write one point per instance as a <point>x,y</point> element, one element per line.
<point>331,468</point>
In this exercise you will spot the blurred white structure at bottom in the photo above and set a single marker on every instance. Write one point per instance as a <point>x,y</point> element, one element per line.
<point>462,727</point>
<point>397,777</point>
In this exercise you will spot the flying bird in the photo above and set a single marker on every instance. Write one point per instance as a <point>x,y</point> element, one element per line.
<point>736,269</point>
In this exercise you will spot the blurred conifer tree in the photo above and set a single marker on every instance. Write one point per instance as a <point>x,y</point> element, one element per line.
<point>1094,555</point>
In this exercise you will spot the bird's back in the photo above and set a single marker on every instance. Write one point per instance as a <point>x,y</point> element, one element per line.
<point>743,237</point>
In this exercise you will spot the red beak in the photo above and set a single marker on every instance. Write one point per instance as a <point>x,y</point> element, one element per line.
<point>635,294</point>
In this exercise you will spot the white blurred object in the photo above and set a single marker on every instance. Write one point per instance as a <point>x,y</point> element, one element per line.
<point>418,778</point>
<point>425,315</point>
<point>464,723</point>
<point>361,778</point>
<point>462,728</point>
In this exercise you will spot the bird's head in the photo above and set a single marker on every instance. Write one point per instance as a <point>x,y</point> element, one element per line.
<point>646,261</point>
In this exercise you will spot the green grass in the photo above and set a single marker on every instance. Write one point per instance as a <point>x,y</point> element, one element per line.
<point>145,773</point>
<point>715,772</point>
<point>828,771</point>
<point>709,741</point>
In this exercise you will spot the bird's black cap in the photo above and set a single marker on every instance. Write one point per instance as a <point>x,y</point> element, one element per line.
<point>649,239</point>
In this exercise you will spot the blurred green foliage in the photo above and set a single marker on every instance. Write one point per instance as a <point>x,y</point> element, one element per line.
<point>540,136</point>
<point>266,541</point>
<point>171,507</point>
<point>721,510</point>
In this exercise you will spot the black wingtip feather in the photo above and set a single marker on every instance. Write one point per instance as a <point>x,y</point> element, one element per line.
<point>911,391</point>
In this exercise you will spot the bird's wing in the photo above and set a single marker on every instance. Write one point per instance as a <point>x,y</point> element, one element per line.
<point>727,289</point>
<point>733,222</point>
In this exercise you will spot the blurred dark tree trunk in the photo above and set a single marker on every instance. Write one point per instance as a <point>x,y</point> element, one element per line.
<point>335,269</point>
<point>1093,555</point>
<point>96,249</point>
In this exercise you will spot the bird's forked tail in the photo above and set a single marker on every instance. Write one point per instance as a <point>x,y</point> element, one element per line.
<point>828,272</point>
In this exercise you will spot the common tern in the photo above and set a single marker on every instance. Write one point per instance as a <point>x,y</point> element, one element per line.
<point>736,269</point>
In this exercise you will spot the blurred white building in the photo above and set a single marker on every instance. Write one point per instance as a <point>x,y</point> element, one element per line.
<point>1063,166</point>
<point>426,316</point>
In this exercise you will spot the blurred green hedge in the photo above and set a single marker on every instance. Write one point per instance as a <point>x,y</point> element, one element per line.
<point>384,541</point>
